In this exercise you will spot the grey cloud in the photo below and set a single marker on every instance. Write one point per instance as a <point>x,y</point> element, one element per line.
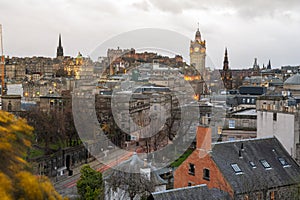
<point>143,5</point>
<point>245,9</point>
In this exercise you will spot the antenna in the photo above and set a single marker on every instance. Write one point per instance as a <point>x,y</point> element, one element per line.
<point>2,65</point>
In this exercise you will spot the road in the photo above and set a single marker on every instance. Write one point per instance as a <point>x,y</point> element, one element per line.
<point>67,186</point>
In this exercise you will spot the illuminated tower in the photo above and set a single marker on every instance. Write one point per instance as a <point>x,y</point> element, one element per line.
<point>198,52</point>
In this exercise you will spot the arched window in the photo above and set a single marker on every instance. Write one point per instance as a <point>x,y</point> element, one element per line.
<point>9,106</point>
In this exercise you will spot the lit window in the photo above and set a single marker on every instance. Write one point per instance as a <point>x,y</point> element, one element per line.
<point>272,195</point>
<point>191,169</point>
<point>252,164</point>
<point>206,174</point>
<point>283,162</point>
<point>265,164</point>
<point>236,168</point>
<point>231,124</point>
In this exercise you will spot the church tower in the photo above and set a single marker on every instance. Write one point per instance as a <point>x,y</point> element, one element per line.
<point>60,50</point>
<point>198,52</point>
<point>226,73</point>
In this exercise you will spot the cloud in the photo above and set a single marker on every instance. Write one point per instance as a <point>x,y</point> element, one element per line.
<point>143,5</point>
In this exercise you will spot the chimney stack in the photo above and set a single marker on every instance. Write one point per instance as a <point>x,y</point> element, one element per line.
<point>203,138</point>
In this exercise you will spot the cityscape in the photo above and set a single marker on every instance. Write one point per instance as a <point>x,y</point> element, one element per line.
<point>152,113</point>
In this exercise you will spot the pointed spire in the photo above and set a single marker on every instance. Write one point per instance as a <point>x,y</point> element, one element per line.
<point>60,50</point>
<point>198,34</point>
<point>269,65</point>
<point>226,62</point>
<point>59,40</point>
<point>255,65</point>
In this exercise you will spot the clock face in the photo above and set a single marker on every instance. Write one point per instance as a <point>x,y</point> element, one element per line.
<point>196,49</point>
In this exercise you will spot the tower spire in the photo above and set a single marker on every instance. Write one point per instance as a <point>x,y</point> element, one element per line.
<point>59,40</point>
<point>226,62</point>
<point>60,50</point>
<point>269,65</point>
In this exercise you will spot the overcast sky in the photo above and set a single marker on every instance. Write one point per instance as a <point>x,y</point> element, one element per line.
<point>266,29</point>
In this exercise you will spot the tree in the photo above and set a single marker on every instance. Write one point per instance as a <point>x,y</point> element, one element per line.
<point>130,185</point>
<point>90,185</point>
<point>16,180</point>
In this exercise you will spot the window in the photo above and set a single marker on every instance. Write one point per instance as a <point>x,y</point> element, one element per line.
<point>9,107</point>
<point>259,196</point>
<point>245,123</point>
<point>231,124</point>
<point>272,195</point>
<point>283,162</point>
<point>206,174</point>
<point>236,168</point>
<point>191,183</point>
<point>265,164</point>
<point>274,116</point>
<point>252,164</point>
<point>191,169</point>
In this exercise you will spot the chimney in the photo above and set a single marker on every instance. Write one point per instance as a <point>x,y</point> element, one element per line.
<point>203,138</point>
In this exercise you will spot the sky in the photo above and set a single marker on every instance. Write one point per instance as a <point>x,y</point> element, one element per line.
<point>268,29</point>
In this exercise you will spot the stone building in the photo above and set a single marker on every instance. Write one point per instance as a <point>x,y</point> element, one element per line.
<point>292,85</point>
<point>11,103</point>
<point>239,125</point>
<point>198,53</point>
<point>226,73</point>
<point>280,117</point>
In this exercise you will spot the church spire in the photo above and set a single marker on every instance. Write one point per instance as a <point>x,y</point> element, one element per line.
<point>59,42</point>
<point>226,62</point>
<point>60,50</point>
<point>269,65</point>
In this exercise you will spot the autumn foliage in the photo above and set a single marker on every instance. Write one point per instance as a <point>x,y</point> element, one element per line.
<point>16,181</point>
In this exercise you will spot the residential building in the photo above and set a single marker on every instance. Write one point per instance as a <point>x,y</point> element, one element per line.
<point>246,169</point>
<point>279,116</point>
<point>239,125</point>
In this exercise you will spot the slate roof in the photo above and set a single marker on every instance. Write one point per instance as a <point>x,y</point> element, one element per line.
<point>255,178</point>
<point>132,167</point>
<point>293,80</point>
<point>199,192</point>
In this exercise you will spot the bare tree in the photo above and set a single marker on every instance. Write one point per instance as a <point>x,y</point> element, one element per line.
<point>129,185</point>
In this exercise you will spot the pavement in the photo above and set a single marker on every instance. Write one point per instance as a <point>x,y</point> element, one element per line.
<point>66,186</point>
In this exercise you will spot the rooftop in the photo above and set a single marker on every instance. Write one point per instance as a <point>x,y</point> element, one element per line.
<point>260,163</point>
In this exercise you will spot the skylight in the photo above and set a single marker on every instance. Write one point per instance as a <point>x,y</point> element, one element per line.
<point>265,164</point>
<point>283,162</point>
<point>236,168</point>
<point>252,164</point>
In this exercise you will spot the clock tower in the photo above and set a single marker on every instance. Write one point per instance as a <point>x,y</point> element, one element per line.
<point>198,53</point>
